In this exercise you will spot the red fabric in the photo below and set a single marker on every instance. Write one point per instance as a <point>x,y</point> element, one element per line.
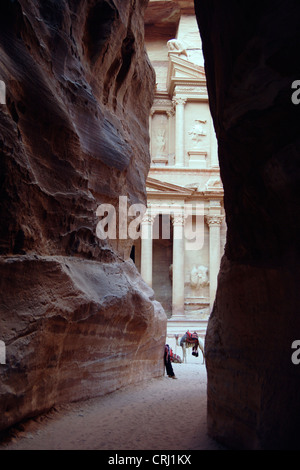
<point>173,357</point>
<point>191,337</point>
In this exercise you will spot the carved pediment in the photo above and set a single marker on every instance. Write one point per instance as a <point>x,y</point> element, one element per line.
<point>162,188</point>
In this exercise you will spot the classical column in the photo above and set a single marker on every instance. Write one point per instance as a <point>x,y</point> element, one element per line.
<point>178,266</point>
<point>146,248</point>
<point>214,222</point>
<point>179,150</point>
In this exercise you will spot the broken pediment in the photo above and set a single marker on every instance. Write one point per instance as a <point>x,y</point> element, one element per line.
<point>214,184</point>
<point>183,72</point>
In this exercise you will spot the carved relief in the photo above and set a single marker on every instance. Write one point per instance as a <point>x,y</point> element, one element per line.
<point>176,46</point>
<point>197,132</point>
<point>182,89</point>
<point>160,135</point>
<point>199,277</point>
<point>160,142</point>
<point>161,102</point>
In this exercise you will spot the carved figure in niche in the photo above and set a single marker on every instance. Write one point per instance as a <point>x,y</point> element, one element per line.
<point>197,131</point>
<point>199,277</point>
<point>160,142</point>
<point>176,46</point>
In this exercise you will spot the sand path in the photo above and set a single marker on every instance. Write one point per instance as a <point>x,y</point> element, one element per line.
<point>160,414</point>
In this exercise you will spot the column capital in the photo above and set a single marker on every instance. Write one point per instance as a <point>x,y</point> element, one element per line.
<point>148,218</point>
<point>178,219</point>
<point>179,100</point>
<point>170,113</point>
<point>214,220</point>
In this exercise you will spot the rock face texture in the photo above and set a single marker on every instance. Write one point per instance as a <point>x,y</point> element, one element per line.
<point>251,62</point>
<point>76,318</point>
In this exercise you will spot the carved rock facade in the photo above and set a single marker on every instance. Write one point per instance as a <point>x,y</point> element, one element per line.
<point>184,186</point>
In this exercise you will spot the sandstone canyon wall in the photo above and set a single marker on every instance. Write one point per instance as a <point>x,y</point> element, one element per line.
<point>75,316</point>
<point>251,60</point>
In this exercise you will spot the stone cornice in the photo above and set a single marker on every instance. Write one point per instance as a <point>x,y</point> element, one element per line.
<point>163,190</point>
<point>170,169</point>
<point>164,186</point>
<point>196,195</point>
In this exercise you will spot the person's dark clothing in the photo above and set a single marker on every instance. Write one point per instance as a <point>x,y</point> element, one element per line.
<point>168,363</point>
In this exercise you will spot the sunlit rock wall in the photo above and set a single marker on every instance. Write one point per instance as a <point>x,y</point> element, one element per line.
<point>75,316</point>
<point>251,60</point>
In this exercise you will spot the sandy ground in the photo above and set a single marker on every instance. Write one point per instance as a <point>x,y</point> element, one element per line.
<point>160,414</point>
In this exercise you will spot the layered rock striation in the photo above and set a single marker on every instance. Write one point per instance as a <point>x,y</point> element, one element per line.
<point>251,63</point>
<point>76,317</point>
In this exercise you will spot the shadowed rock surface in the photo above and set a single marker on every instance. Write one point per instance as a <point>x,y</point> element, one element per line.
<point>251,61</point>
<point>76,318</point>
